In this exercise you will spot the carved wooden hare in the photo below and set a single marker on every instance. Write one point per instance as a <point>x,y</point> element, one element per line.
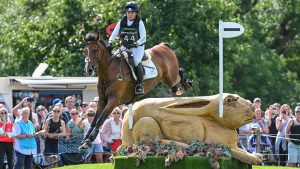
<point>185,119</point>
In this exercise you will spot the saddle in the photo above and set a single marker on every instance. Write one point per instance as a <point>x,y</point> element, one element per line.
<point>149,67</point>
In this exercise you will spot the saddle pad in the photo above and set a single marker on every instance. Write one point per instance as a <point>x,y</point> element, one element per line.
<point>148,65</point>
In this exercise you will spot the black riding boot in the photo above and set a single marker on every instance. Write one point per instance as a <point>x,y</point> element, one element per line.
<point>139,88</point>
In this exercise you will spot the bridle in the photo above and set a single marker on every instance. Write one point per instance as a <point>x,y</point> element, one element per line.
<point>100,46</point>
<point>87,58</point>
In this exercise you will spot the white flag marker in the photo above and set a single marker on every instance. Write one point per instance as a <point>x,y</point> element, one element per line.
<point>226,30</point>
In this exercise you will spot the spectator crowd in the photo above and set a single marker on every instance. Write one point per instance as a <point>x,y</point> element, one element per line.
<point>35,135</point>
<point>278,130</point>
<point>32,134</point>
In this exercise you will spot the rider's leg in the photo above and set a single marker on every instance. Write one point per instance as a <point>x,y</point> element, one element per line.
<point>138,55</point>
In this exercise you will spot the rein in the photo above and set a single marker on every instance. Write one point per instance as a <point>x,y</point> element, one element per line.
<point>98,43</point>
<point>119,76</point>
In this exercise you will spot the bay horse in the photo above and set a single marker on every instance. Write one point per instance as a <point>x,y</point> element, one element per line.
<point>115,83</point>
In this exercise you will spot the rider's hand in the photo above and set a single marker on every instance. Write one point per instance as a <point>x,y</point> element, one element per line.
<point>110,46</point>
<point>131,45</point>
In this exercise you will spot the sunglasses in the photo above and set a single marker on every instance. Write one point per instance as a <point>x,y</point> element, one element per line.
<point>298,111</point>
<point>74,114</point>
<point>117,113</point>
<point>84,105</point>
<point>4,112</point>
<point>40,110</point>
<point>56,111</point>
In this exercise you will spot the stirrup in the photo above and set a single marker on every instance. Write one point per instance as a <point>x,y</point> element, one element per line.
<point>139,89</point>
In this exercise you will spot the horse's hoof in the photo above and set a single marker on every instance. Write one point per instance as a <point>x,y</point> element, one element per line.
<point>179,92</point>
<point>84,147</point>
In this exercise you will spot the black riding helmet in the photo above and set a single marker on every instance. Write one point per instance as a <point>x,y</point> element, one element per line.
<point>132,6</point>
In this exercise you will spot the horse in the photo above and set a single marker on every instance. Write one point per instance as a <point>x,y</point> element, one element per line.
<point>115,83</point>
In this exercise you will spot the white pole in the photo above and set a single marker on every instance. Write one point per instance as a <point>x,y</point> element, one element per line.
<point>130,120</point>
<point>220,68</point>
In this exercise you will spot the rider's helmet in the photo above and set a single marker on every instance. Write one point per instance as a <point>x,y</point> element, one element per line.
<point>132,6</point>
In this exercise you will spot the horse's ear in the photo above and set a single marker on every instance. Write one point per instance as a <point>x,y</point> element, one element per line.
<point>96,32</point>
<point>84,39</point>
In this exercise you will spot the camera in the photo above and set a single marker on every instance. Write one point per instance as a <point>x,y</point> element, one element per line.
<point>30,100</point>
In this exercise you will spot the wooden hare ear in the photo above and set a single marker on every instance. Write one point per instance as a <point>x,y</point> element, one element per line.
<point>195,106</point>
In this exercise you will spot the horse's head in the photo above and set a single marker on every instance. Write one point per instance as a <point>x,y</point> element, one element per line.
<point>94,51</point>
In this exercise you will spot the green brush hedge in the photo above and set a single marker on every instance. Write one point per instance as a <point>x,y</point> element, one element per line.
<point>192,162</point>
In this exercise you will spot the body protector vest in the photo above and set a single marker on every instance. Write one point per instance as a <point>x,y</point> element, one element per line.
<point>129,34</point>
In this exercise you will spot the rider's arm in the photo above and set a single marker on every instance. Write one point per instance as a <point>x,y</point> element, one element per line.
<point>142,31</point>
<point>115,33</point>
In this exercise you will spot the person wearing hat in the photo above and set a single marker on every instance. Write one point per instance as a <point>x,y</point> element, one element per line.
<point>265,144</point>
<point>56,101</point>
<point>257,103</point>
<point>83,107</point>
<point>133,36</point>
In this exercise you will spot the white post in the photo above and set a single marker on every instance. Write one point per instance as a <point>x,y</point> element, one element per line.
<point>130,120</point>
<point>226,30</point>
<point>220,69</point>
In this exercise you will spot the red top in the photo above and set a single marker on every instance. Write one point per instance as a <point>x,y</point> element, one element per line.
<point>8,129</point>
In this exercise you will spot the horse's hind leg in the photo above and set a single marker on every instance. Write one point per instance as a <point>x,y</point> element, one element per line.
<point>186,83</point>
<point>176,89</point>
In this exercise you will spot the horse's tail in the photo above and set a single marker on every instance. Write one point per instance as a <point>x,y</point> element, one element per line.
<point>166,44</point>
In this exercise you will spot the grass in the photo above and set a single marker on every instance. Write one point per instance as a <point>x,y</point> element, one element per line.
<point>110,166</point>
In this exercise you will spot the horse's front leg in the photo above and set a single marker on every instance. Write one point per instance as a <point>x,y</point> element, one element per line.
<point>86,142</point>
<point>92,125</point>
<point>99,121</point>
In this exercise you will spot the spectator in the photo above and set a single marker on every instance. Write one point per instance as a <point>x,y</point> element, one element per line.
<point>265,144</point>
<point>25,144</point>
<point>17,109</point>
<point>111,131</point>
<point>281,143</point>
<point>41,113</point>
<point>96,148</point>
<point>262,123</point>
<point>83,108</point>
<point>70,104</point>
<point>93,105</point>
<point>244,133</point>
<point>72,127</point>
<point>292,133</point>
<point>63,115</point>
<point>54,127</point>
<point>6,140</point>
<point>257,103</point>
<point>271,118</point>
<point>96,99</point>
<point>74,134</point>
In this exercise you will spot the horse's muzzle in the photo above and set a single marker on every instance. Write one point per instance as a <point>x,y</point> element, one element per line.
<point>89,69</point>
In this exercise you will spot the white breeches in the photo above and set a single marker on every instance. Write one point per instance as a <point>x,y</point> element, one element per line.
<point>137,53</point>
